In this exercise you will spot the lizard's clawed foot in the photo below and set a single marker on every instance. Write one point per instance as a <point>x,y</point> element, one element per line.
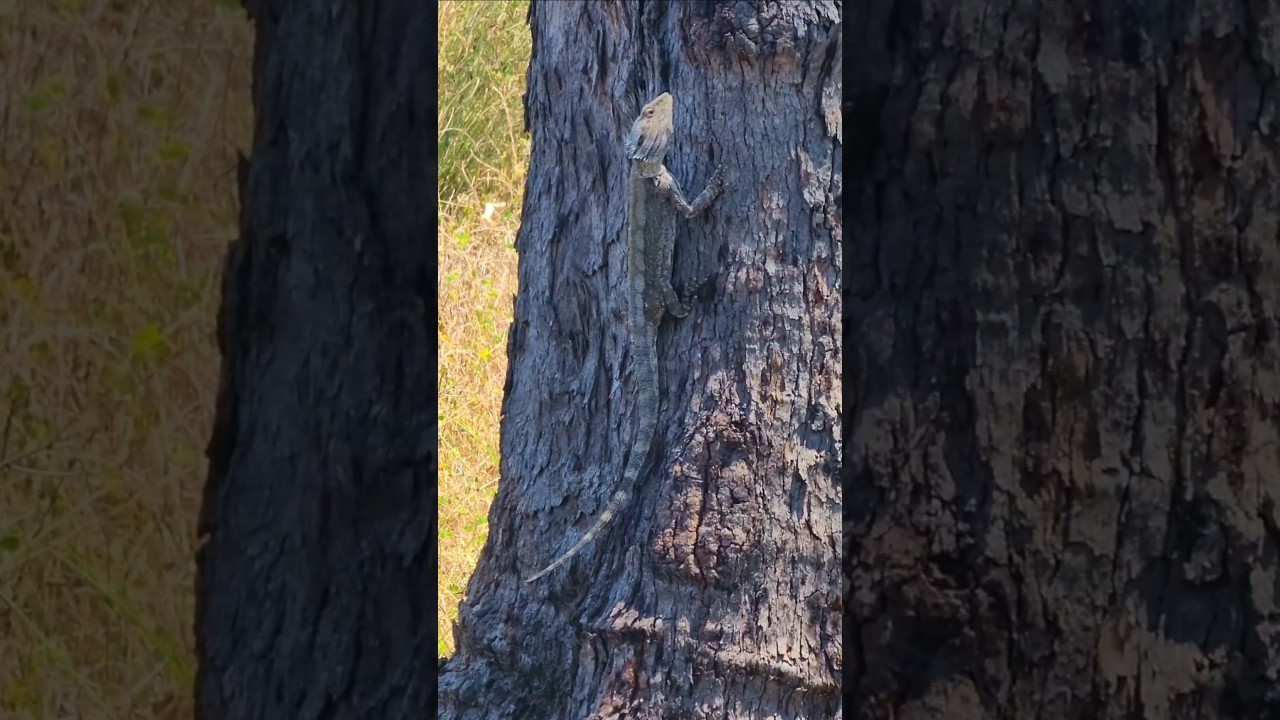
<point>680,305</point>
<point>697,286</point>
<point>717,180</point>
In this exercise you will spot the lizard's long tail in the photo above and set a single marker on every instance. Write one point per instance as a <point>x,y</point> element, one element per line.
<point>644,350</point>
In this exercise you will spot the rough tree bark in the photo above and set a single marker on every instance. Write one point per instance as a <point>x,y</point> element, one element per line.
<point>1063,313</point>
<point>715,593</point>
<point>314,593</point>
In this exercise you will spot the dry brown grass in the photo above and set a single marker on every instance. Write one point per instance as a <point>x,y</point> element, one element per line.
<point>119,123</point>
<point>476,288</point>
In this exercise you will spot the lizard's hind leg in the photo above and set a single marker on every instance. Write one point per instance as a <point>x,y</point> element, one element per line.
<point>680,306</point>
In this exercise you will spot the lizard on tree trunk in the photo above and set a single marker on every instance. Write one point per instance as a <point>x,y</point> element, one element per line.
<point>651,236</point>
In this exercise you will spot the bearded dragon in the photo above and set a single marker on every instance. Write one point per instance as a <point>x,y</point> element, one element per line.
<point>653,199</point>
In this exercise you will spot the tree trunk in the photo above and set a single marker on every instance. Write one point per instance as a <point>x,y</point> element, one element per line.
<point>1063,319</point>
<point>714,594</point>
<point>314,592</point>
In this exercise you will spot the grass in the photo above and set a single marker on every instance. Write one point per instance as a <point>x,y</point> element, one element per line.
<point>119,124</point>
<point>484,49</point>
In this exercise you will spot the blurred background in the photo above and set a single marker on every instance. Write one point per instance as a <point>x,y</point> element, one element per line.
<point>119,128</point>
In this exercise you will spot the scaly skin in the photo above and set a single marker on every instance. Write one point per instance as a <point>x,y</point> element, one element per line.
<point>651,236</point>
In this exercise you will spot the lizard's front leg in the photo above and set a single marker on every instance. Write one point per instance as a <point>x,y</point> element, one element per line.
<point>677,306</point>
<point>667,183</point>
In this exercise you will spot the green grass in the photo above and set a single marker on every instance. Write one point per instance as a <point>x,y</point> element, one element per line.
<point>484,50</point>
<point>484,53</point>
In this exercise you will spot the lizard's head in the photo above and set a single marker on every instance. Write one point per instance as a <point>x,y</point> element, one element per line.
<point>650,134</point>
<point>661,105</point>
